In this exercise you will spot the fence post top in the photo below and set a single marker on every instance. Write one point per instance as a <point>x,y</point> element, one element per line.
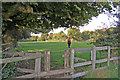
<point>72,50</point>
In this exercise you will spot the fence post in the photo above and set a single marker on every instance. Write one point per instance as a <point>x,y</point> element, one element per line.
<point>47,61</point>
<point>66,60</point>
<point>38,64</point>
<point>108,59</point>
<point>91,54</point>
<point>93,58</point>
<point>72,60</point>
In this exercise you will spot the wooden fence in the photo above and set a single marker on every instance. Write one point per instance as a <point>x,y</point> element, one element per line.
<point>68,68</point>
<point>8,47</point>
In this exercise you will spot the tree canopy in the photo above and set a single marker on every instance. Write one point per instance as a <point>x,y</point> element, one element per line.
<point>43,16</point>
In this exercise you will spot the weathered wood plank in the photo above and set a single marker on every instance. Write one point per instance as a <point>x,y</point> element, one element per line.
<point>82,64</point>
<point>101,48</point>
<point>80,59</point>
<point>101,60</point>
<point>105,60</point>
<point>66,60</point>
<point>114,47</point>
<point>94,58</point>
<point>108,59</point>
<point>53,72</point>
<point>114,58</point>
<point>26,70</point>
<point>8,60</point>
<point>81,49</point>
<point>28,76</point>
<point>72,60</point>
<point>21,54</point>
<point>47,60</point>
<point>79,74</point>
<point>38,64</point>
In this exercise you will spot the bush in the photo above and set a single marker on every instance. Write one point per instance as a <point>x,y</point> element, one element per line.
<point>10,69</point>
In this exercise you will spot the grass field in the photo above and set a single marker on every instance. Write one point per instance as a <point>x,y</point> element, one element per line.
<point>57,49</point>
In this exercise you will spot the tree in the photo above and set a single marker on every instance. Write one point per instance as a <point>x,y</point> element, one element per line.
<point>86,35</point>
<point>43,37</point>
<point>33,38</point>
<point>109,38</point>
<point>55,36</point>
<point>21,15</point>
<point>74,33</point>
<point>50,36</point>
<point>62,36</point>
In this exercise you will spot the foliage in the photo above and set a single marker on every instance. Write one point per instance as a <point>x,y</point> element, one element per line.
<point>10,70</point>
<point>18,16</point>
<point>62,36</point>
<point>109,38</point>
<point>50,36</point>
<point>33,38</point>
<point>43,37</point>
<point>74,33</point>
<point>59,36</point>
<point>86,35</point>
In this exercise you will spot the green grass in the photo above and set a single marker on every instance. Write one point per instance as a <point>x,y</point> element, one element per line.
<point>111,72</point>
<point>56,50</point>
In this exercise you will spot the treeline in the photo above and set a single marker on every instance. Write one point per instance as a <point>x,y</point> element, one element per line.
<point>75,34</point>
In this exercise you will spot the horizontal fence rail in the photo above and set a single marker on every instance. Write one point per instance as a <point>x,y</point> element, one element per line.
<point>67,68</point>
<point>8,60</point>
<point>53,72</point>
<point>97,61</point>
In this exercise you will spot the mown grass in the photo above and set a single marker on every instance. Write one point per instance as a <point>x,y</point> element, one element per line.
<point>57,50</point>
